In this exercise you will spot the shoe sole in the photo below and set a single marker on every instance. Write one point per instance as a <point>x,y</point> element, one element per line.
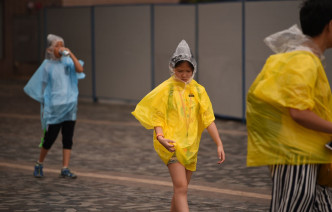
<point>328,146</point>
<point>62,176</point>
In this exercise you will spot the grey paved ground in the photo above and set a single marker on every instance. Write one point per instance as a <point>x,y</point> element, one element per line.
<point>117,167</point>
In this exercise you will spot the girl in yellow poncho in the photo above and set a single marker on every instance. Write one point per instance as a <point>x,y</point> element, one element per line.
<point>179,109</point>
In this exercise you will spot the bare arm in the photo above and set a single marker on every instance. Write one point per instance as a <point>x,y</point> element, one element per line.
<point>78,66</point>
<point>310,120</point>
<point>213,131</point>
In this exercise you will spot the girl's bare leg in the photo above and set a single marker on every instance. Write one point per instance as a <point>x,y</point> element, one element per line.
<point>181,178</point>
<point>66,157</point>
<point>42,155</point>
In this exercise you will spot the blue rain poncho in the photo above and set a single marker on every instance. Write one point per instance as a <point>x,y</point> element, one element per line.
<point>55,86</point>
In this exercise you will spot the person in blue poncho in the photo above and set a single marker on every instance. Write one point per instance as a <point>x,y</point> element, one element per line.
<point>55,86</point>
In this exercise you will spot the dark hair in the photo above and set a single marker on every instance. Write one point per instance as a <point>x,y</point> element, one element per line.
<point>185,61</point>
<point>314,16</point>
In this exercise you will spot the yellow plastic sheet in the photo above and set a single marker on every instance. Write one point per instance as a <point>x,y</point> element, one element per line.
<point>289,80</point>
<point>183,111</point>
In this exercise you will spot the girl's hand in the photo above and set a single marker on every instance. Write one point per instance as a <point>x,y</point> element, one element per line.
<point>221,154</point>
<point>168,144</point>
<point>64,49</point>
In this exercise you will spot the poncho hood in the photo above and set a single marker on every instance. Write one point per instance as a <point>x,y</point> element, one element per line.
<point>183,53</point>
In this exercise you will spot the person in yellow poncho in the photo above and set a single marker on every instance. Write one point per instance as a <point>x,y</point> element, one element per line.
<point>178,110</point>
<point>289,112</point>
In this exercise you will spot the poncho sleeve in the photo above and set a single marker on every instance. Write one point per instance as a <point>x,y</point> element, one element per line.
<point>68,62</point>
<point>291,84</point>
<point>205,110</point>
<point>80,75</point>
<point>151,110</point>
<point>37,83</point>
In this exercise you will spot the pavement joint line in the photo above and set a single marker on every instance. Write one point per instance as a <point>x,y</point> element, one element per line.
<point>151,182</point>
<point>110,123</point>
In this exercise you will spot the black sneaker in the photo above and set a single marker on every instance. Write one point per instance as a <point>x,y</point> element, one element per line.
<point>66,173</point>
<point>329,145</point>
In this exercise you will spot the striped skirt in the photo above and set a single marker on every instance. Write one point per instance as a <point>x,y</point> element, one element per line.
<point>294,189</point>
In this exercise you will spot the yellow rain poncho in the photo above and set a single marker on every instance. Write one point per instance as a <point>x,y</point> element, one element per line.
<point>183,111</point>
<point>294,79</point>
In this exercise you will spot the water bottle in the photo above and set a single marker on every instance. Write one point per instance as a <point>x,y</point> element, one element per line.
<point>64,53</point>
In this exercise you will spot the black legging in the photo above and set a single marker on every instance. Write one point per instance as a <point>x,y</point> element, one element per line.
<point>67,130</point>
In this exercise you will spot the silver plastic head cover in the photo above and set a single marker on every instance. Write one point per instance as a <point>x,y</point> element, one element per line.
<point>286,40</point>
<point>292,39</point>
<point>181,53</point>
<point>51,41</point>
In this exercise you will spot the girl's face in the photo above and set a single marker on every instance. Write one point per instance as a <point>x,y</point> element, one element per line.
<point>57,47</point>
<point>183,71</point>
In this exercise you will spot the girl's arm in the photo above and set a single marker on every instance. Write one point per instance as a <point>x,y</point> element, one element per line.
<point>77,64</point>
<point>213,131</point>
<point>168,144</point>
<point>310,120</point>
